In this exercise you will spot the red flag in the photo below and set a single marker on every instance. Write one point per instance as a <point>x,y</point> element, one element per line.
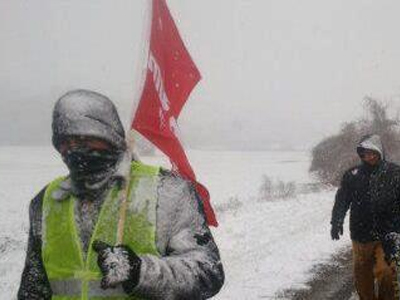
<point>171,76</point>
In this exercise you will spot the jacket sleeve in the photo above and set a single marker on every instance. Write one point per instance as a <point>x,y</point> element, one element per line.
<point>34,283</point>
<point>190,267</point>
<point>342,201</point>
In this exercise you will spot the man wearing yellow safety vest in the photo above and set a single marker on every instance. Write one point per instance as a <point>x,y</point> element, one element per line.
<point>167,250</point>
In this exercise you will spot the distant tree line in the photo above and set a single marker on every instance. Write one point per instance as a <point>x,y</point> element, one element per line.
<point>335,154</point>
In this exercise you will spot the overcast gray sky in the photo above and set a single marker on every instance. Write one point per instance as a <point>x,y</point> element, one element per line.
<point>275,72</point>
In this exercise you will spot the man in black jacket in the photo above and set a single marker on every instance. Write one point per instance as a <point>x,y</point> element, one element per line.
<point>371,190</point>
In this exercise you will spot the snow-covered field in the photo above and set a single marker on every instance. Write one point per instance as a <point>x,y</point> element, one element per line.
<point>266,247</point>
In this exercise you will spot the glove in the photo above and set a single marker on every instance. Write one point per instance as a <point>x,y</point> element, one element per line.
<point>118,265</point>
<point>336,231</point>
<point>391,247</point>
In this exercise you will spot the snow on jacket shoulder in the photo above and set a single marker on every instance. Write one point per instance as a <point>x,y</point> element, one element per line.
<point>189,266</point>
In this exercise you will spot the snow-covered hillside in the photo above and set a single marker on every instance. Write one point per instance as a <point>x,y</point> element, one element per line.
<point>265,246</point>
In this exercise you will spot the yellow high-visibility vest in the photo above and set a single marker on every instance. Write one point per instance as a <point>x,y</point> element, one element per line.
<point>74,275</point>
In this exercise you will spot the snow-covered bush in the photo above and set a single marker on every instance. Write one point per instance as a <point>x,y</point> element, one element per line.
<point>232,205</point>
<point>271,190</point>
<point>335,154</point>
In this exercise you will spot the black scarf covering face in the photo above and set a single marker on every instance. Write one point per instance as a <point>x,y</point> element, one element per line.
<point>90,170</point>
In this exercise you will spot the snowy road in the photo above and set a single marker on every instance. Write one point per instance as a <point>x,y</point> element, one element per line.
<point>266,247</point>
<point>332,281</point>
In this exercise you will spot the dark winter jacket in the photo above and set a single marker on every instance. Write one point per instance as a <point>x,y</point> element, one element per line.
<point>189,266</point>
<point>373,196</point>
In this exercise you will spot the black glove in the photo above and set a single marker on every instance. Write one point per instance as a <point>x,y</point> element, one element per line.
<point>391,246</point>
<point>336,231</point>
<point>119,265</point>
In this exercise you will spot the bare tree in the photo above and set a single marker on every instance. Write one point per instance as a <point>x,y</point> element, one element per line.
<point>335,154</point>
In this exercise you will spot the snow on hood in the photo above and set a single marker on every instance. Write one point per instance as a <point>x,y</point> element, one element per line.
<point>371,142</point>
<point>90,114</point>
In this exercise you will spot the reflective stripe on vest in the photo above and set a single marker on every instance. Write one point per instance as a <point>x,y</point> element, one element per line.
<point>71,275</point>
<point>73,288</point>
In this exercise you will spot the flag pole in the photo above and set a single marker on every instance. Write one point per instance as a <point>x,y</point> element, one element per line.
<point>123,194</point>
<point>129,136</point>
<point>144,55</point>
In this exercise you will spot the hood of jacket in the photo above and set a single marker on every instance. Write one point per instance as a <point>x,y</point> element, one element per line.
<point>371,142</point>
<point>90,114</point>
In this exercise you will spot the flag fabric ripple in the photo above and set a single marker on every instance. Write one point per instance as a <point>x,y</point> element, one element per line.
<point>171,76</point>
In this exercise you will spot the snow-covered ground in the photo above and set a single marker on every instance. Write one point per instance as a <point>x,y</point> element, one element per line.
<point>266,247</point>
